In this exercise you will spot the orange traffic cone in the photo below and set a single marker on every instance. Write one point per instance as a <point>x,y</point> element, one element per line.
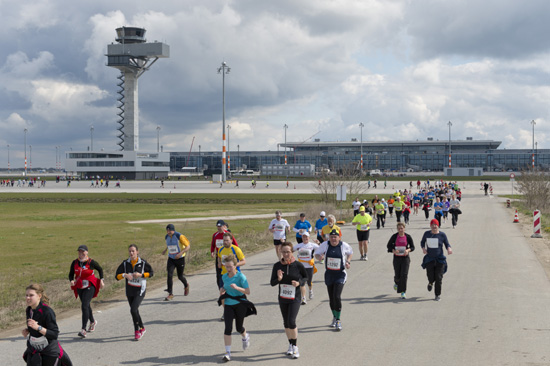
<point>516,218</point>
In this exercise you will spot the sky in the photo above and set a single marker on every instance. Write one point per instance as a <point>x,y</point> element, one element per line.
<point>402,68</point>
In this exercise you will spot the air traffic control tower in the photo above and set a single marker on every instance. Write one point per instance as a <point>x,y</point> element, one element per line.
<point>132,55</point>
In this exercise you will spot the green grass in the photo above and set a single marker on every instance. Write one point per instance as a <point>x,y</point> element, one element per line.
<point>40,234</point>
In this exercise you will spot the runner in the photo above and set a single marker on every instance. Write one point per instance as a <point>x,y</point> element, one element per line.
<point>319,225</point>
<point>215,245</point>
<point>435,262</point>
<point>401,244</point>
<point>302,226</point>
<point>454,210</point>
<point>177,246</point>
<point>380,214</point>
<point>86,286</point>
<point>390,206</point>
<point>234,291</point>
<point>446,207</point>
<point>330,227</point>
<point>338,254</point>
<point>363,221</point>
<point>406,212</point>
<point>229,248</point>
<point>305,256</point>
<point>438,209</point>
<point>42,331</point>
<point>279,227</point>
<point>136,271</point>
<point>289,273</point>
<point>356,204</point>
<point>399,205</point>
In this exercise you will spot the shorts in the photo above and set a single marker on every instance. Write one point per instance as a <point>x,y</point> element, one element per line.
<point>416,205</point>
<point>278,241</point>
<point>363,235</point>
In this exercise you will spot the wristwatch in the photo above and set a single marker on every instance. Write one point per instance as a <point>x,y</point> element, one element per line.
<point>39,328</point>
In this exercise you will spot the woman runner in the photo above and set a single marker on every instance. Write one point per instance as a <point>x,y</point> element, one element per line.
<point>136,271</point>
<point>86,286</point>
<point>401,244</point>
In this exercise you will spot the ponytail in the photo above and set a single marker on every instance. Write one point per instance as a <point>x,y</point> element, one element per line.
<point>40,292</point>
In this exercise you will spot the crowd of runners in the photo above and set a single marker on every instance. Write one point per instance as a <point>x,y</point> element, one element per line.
<point>316,246</point>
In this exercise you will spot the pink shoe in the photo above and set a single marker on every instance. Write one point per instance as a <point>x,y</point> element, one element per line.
<point>138,335</point>
<point>142,331</point>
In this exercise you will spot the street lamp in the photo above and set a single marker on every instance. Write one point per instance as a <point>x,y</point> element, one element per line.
<point>533,158</point>
<point>92,138</point>
<point>223,69</point>
<point>238,154</point>
<point>450,125</point>
<point>228,151</point>
<point>361,125</point>
<point>536,150</point>
<point>286,128</point>
<point>158,138</point>
<point>8,158</point>
<point>56,155</point>
<point>25,151</point>
<point>30,157</point>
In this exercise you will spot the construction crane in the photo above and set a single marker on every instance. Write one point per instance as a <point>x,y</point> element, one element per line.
<point>306,140</point>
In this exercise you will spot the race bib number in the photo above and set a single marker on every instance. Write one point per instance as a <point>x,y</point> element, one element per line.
<point>432,242</point>
<point>401,251</point>
<point>334,264</point>
<point>288,292</point>
<point>136,282</point>
<point>364,227</point>
<point>219,243</point>
<point>304,255</point>
<point>279,227</point>
<point>38,343</point>
<point>173,249</point>
<point>85,283</point>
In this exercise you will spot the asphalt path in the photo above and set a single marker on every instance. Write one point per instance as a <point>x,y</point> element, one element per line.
<point>493,309</point>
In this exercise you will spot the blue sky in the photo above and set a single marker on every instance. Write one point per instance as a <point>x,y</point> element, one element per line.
<point>402,68</point>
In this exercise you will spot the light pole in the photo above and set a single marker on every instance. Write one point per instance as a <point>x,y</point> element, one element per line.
<point>223,69</point>
<point>92,138</point>
<point>25,130</point>
<point>286,168</point>
<point>536,150</point>
<point>158,138</point>
<point>30,157</point>
<point>533,158</point>
<point>239,155</point>
<point>56,155</point>
<point>450,125</point>
<point>8,158</point>
<point>228,151</point>
<point>361,125</point>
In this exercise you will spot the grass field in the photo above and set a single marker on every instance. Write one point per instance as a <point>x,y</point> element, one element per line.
<point>40,234</point>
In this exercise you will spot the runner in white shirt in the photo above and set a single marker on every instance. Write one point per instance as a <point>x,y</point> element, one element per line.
<point>279,227</point>
<point>305,251</point>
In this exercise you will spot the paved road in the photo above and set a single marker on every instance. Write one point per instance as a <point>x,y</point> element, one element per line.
<point>493,310</point>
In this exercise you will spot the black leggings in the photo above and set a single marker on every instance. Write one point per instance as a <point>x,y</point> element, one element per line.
<point>86,296</point>
<point>289,312</point>
<point>135,302</point>
<point>434,271</point>
<point>398,215</point>
<point>237,312</point>
<point>380,219</point>
<point>179,265</point>
<point>406,216</point>
<point>401,266</point>
<point>335,296</point>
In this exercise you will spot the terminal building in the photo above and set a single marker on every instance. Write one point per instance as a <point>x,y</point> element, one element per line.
<point>386,156</point>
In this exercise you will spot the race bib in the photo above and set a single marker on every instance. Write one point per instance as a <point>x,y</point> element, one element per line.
<point>287,292</point>
<point>334,264</point>
<point>223,259</point>
<point>136,282</point>
<point>364,227</point>
<point>304,255</point>
<point>85,284</point>
<point>219,243</point>
<point>401,251</point>
<point>279,227</point>
<point>173,249</point>
<point>432,242</point>
<point>38,343</point>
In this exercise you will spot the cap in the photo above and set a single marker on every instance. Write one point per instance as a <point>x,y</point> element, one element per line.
<point>434,221</point>
<point>306,233</point>
<point>334,232</point>
<point>362,209</point>
<point>220,223</point>
<point>302,215</point>
<point>83,247</point>
<point>322,214</point>
<point>170,227</point>
<point>382,200</point>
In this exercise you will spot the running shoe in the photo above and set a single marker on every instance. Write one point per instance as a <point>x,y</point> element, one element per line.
<point>226,357</point>
<point>437,298</point>
<point>338,325</point>
<point>246,342</point>
<point>142,332</point>
<point>403,295</point>
<point>295,352</point>
<point>82,333</point>
<point>169,297</point>
<point>430,285</point>
<point>186,292</point>
<point>91,328</point>
<point>394,287</point>
<point>290,350</point>
<point>137,335</point>
<point>304,302</point>
<point>310,294</point>
<point>333,324</point>
<point>366,258</point>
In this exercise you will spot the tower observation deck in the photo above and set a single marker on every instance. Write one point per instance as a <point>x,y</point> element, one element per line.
<point>132,55</point>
